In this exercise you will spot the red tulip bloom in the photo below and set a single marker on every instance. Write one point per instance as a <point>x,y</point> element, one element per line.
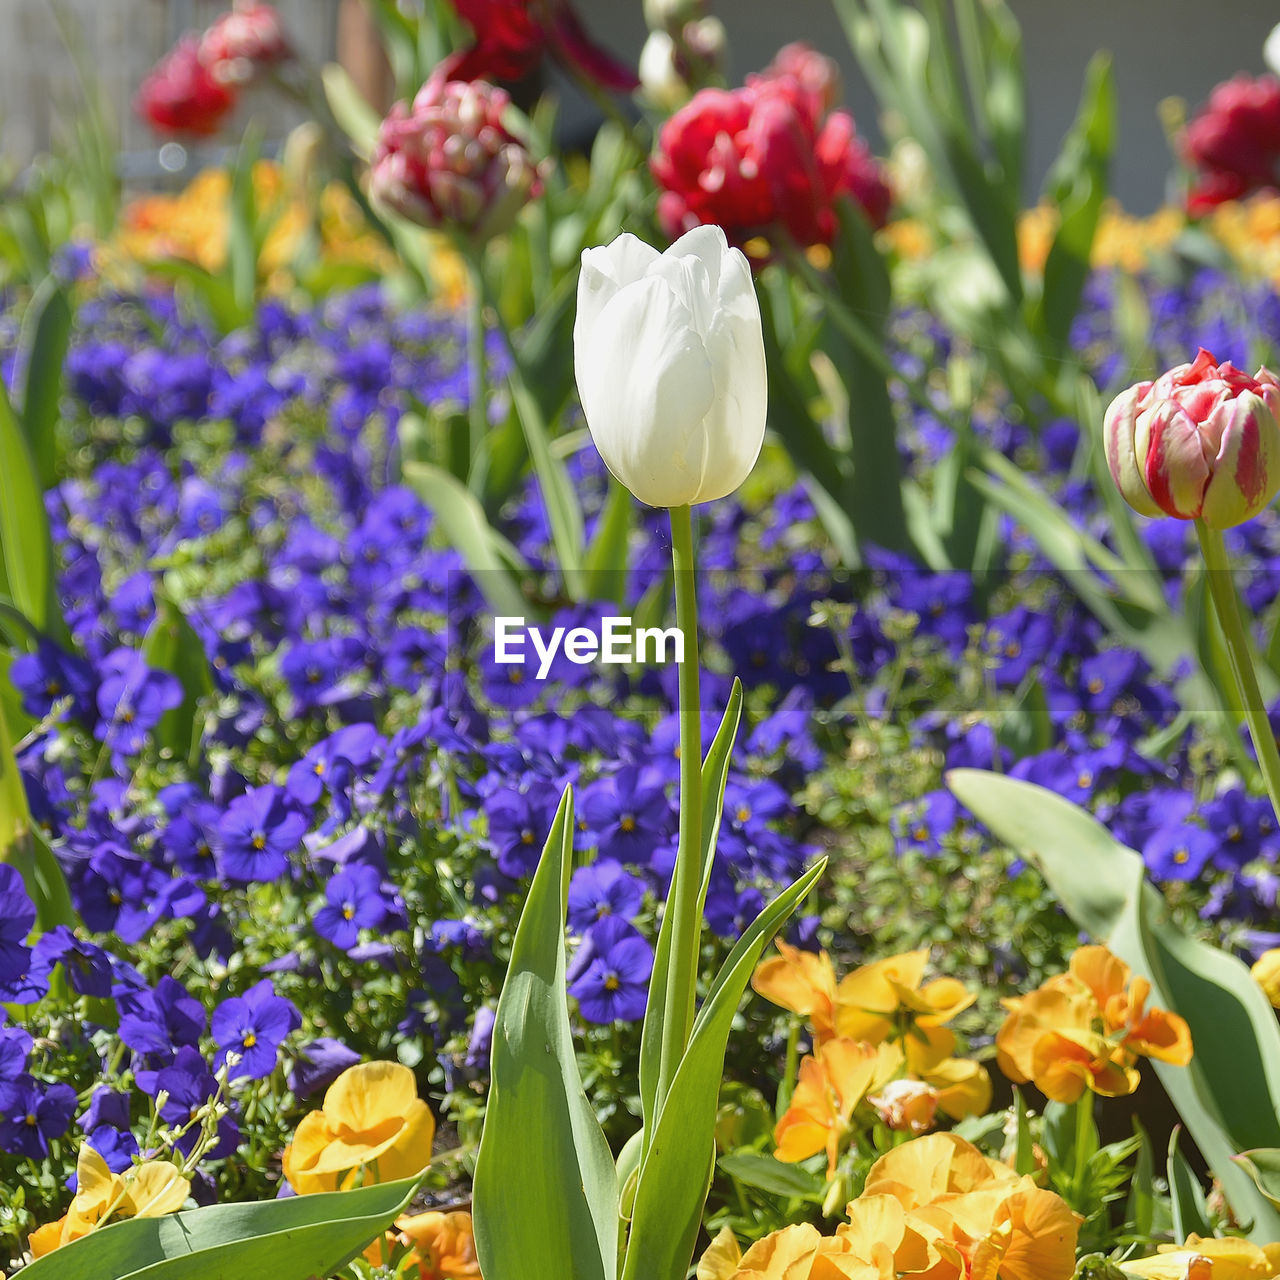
<point>1234,144</point>
<point>182,95</point>
<point>513,35</point>
<point>766,155</point>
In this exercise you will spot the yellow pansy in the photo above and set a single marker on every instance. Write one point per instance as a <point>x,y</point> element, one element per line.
<point>372,1120</point>
<point>444,1246</point>
<point>147,1190</point>
<point>831,1083</point>
<point>1266,973</point>
<point>869,1000</point>
<point>1208,1258</point>
<point>802,982</point>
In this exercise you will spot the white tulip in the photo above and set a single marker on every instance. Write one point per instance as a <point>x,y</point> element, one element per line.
<point>669,357</point>
<point>1271,50</point>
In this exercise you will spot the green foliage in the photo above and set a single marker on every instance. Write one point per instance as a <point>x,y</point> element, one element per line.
<point>1228,1096</point>
<point>545,1191</point>
<point>291,1239</point>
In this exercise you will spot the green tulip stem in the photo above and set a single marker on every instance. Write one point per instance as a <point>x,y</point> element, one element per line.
<point>477,390</point>
<point>686,883</point>
<point>1227,606</point>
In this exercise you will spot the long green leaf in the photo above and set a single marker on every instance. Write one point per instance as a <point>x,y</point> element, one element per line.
<point>22,846</point>
<point>545,1193</point>
<point>355,117</point>
<point>26,552</point>
<point>242,239</point>
<point>462,521</point>
<point>42,353</point>
<point>676,1170</point>
<point>1263,1166</point>
<point>1229,1095</point>
<point>1186,1197</point>
<point>606,563</point>
<point>1078,188</point>
<point>296,1238</point>
<point>171,644</point>
<point>715,773</point>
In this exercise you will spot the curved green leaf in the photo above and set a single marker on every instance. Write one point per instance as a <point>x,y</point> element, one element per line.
<point>1229,1095</point>
<point>1263,1165</point>
<point>545,1194</point>
<point>42,345</point>
<point>296,1238</point>
<point>676,1170</point>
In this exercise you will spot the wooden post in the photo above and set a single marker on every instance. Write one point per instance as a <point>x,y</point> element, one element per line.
<point>361,53</point>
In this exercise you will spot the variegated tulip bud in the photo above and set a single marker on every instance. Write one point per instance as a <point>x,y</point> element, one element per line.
<point>1200,442</point>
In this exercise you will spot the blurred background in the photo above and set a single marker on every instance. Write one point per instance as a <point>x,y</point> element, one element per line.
<point>1162,48</point>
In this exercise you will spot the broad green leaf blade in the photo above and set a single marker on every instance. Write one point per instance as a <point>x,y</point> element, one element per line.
<point>715,773</point>
<point>291,1239</point>
<point>42,353</point>
<point>545,1193</point>
<point>605,566</point>
<point>242,218</point>
<point>26,552</point>
<point>355,117</point>
<point>1078,188</point>
<point>22,846</point>
<point>463,523</point>
<point>1190,1214</point>
<point>676,1170</point>
<point>1229,1095</point>
<point>755,1169</point>
<point>1263,1166</point>
<point>172,645</point>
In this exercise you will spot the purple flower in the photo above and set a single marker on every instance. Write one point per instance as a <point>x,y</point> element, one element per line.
<point>109,1107</point>
<point>47,676</point>
<point>601,891</point>
<point>189,1084</point>
<point>1179,851</point>
<point>162,1020</point>
<point>33,1115</point>
<point>353,901</point>
<point>628,815</point>
<point>254,1026</point>
<point>17,918</point>
<point>15,1045</point>
<point>518,826</point>
<point>132,699</point>
<point>318,1065</point>
<point>257,834</point>
<point>88,967</point>
<point>480,1045</point>
<point>614,984</point>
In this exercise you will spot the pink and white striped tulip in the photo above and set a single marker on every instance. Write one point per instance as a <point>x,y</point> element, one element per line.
<point>1200,442</point>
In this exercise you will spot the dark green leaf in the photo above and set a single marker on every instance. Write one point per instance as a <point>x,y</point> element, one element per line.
<point>42,352</point>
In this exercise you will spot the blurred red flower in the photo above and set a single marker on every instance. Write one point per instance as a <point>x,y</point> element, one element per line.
<point>243,41</point>
<point>513,35</point>
<point>181,94</point>
<point>770,153</point>
<point>1234,143</point>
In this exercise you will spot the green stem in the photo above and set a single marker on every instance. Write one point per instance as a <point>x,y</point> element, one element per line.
<point>477,386</point>
<point>1084,1133</point>
<point>1227,606</point>
<point>686,884</point>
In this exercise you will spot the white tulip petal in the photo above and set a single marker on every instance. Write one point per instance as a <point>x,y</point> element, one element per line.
<point>606,270</point>
<point>646,409</point>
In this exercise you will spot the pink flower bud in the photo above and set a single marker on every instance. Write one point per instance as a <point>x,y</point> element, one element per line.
<point>1202,441</point>
<point>245,40</point>
<point>448,161</point>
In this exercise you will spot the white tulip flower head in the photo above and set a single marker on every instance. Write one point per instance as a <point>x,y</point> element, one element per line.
<point>669,357</point>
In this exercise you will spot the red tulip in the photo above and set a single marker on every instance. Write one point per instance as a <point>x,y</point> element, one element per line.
<point>1234,144</point>
<point>181,95</point>
<point>447,160</point>
<point>243,41</point>
<point>766,155</point>
<point>513,35</point>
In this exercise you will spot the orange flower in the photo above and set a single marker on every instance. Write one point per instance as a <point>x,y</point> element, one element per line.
<point>443,1244</point>
<point>802,982</point>
<point>372,1119</point>
<point>1086,1028</point>
<point>869,1000</point>
<point>831,1084</point>
<point>795,1253</point>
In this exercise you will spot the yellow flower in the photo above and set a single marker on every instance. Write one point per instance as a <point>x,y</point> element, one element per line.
<point>443,1244</point>
<point>869,1000</point>
<point>372,1119</point>
<point>802,982</point>
<point>1086,1029</point>
<point>1206,1258</point>
<point>798,1252</point>
<point>147,1190</point>
<point>1266,973</point>
<point>831,1083</point>
<point>977,1219</point>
